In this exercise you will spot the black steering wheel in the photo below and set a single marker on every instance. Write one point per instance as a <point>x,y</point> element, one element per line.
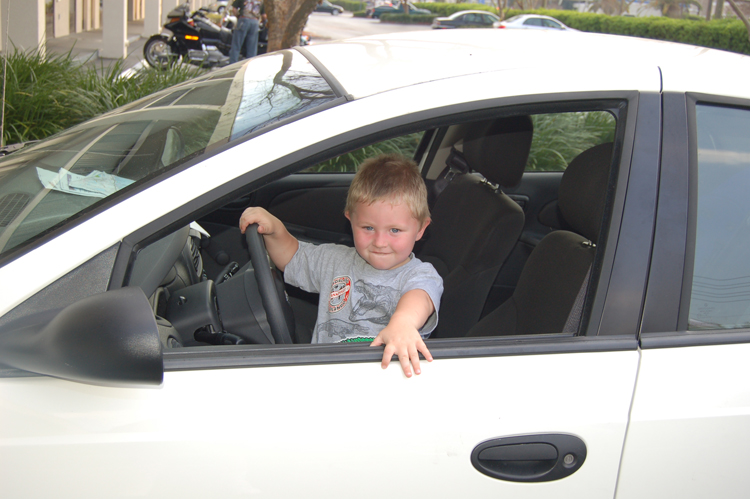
<point>271,287</point>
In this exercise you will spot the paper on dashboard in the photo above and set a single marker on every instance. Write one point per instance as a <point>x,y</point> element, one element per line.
<point>95,184</point>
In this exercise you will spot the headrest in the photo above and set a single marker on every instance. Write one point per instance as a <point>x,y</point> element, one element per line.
<point>499,149</point>
<point>583,190</point>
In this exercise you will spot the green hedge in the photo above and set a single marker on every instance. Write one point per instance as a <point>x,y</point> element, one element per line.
<point>350,5</point>
<point>445,9</point>
<point>723,34</point>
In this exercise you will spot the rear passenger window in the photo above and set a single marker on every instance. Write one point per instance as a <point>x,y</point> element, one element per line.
<point>560,137</point>
<point>720,296</point>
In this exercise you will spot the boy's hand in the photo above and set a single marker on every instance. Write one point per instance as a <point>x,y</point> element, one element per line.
<point>280,244</point>
<point>405,342</point>
<point>401,335</point>
<point>254,215</point>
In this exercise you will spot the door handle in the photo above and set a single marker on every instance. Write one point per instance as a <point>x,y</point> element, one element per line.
<point>530,458</point>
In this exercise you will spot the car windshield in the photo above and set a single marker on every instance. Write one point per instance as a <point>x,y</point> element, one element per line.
<point>47,183</point>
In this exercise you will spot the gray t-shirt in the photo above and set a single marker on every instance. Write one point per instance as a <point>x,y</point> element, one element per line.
<point>356,299</point>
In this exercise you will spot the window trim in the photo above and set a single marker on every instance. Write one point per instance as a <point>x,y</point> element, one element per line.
<point>666,325</point>
<point>695,99</point>
<point>626,104</point>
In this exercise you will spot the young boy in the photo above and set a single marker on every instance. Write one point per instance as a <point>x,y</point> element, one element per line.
<point>377,291</point>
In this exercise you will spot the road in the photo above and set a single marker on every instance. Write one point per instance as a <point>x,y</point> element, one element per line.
<point>323,26</point>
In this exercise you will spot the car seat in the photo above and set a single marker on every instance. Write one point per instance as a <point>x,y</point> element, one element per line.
<point>474,224</point>
<point>549,294</point>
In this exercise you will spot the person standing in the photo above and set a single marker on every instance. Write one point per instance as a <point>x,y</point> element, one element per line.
<point>248,14</point>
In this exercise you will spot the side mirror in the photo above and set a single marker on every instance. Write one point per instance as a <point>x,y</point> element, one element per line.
<point>108,339</point>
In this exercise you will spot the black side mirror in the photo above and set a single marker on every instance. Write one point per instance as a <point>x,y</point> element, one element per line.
<point>108,339</point>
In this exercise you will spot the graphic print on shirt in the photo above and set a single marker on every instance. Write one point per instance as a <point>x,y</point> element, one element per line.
<point>338,331</point>
<point>340,290</point>
<point>377,303</point>
<point>374,304</point>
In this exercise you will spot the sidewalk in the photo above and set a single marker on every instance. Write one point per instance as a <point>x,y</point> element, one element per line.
<point>84,47</point>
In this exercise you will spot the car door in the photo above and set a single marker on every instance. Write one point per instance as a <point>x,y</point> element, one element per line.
<point>691,410</point>
<point>489,415</point>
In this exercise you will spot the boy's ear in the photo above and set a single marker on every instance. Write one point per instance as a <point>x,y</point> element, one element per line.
<point>424,226</point>
<point>346,214</point>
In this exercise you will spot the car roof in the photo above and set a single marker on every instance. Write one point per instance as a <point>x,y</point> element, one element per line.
<point>373,64</point>
<point>462,12</point>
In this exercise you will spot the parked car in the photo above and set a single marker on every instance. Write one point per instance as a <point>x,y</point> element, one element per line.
<point>326,6</point>
<point>532,21</point>
<point>397,8</point>
<point>466,19</point>
<point>591,230</point>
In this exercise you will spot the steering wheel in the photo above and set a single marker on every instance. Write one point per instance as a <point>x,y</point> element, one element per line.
<point>271,287</point>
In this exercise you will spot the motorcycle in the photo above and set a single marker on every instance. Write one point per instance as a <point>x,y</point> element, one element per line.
<point>194,38</point>
<point>197,40</point>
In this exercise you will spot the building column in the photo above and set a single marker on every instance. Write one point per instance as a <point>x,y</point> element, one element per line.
<point>26,29</point>
<point>152,20</point>
<point>61,13</point>
<point>96,14</point>
<point>114,29</point>
<point>79,16</point>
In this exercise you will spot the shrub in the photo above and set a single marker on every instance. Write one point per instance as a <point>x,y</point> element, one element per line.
<point>446,9</point>
<point>350,5</point>
<point>45,95</point>
<point>724,34</point>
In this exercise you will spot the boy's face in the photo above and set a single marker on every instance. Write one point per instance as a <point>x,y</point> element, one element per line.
<point>385,233</point>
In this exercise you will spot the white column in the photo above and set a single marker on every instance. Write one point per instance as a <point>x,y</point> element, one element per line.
<point>114,29</point>
<point>26,28</point>
<point>152,20</point>
<point>87,23</point>
<point>3,8</point>
<point>61,13</point>
<point>96,15</point>
<point>79,16</point>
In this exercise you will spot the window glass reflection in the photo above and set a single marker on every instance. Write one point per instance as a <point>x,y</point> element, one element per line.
<point>720,296</point>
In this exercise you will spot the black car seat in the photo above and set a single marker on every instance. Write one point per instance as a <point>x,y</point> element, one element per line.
<point>474,224</point>
<point>553,280</point>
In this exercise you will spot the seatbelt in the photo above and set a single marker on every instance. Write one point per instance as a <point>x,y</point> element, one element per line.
<point>574,318</point>
<point>456,164</point>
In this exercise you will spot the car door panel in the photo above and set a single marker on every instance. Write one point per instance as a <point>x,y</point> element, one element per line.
<point>691,410</point>
<point>690,424</point>
<point>283,431</point>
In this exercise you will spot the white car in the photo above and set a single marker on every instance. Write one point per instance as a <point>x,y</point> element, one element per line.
<point>591,230</point>
<point>532,21</point>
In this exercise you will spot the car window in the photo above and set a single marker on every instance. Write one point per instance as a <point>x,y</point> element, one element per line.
<point>533,22</point>
<point>720,297</point>
<point>47,183</point>
<point>551,24</point>
<point>349,162</point>
<point>558,138</point>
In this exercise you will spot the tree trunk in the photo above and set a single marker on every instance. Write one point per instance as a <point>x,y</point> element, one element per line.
<point>708,10</point>
<point>286,19</point>
<point>741,16</point>
<point>719,12</point>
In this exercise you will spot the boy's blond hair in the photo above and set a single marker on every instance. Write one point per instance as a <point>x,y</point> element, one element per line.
<point>389,177</point>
